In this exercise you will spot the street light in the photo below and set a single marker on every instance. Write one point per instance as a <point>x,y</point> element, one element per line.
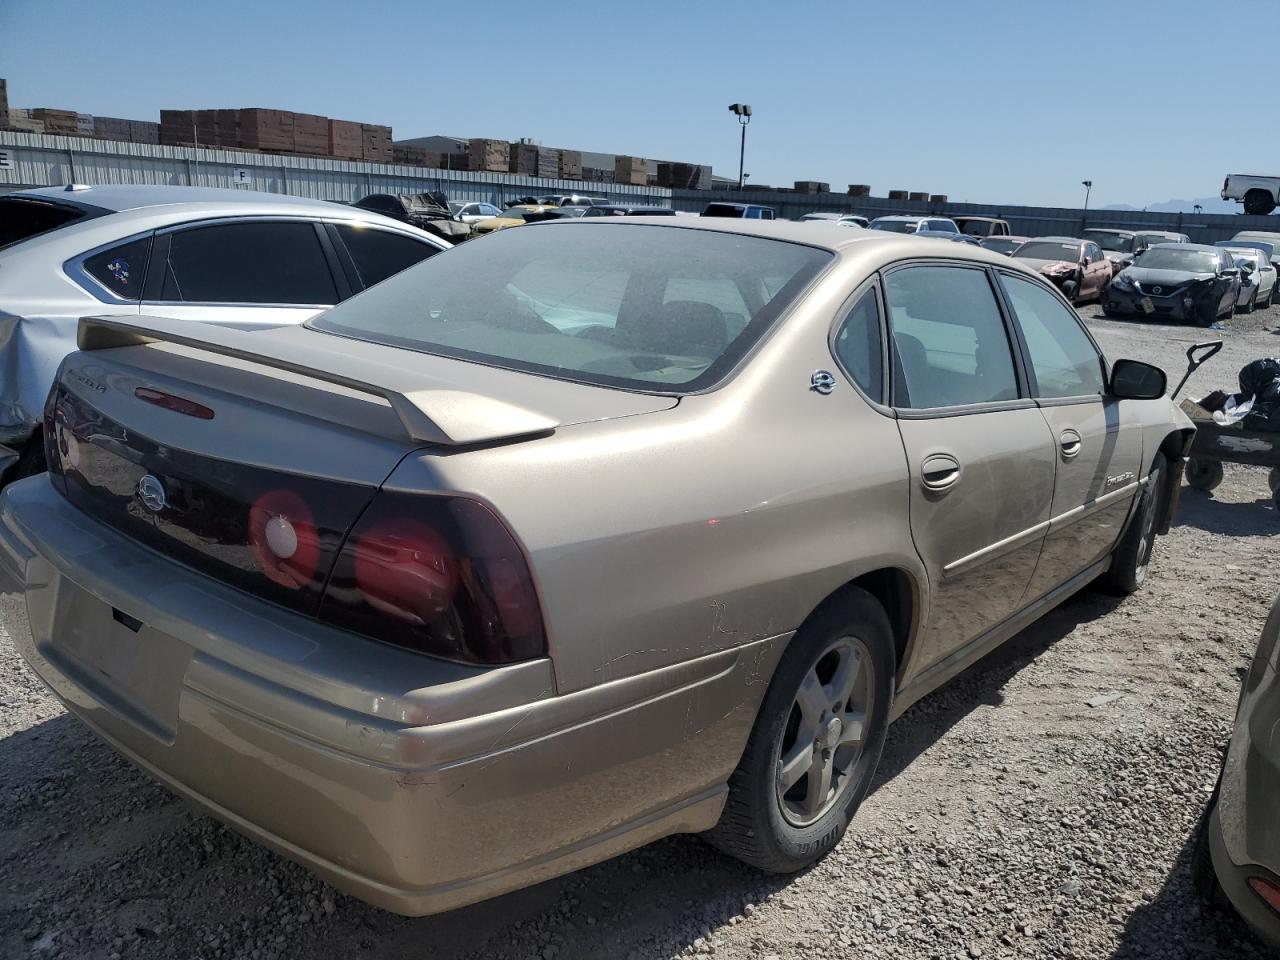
<point>743,112</point>
<point>1088,185</point>
<point>1196,208</point>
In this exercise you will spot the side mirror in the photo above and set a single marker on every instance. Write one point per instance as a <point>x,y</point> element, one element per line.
<point>1246,268</point>
<point>1135,380</point>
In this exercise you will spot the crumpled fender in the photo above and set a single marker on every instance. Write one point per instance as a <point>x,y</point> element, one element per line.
<point>31,348</point>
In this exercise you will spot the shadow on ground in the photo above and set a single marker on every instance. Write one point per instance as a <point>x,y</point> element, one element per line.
<point>1200,510</point>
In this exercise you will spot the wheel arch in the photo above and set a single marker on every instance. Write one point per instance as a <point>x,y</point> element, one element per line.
<point>1175,446</point>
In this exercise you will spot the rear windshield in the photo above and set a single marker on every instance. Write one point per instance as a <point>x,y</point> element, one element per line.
<point>723,210</point>
<point>619,304</point>
<point>1037,250</point>
<point>1172,258</point>
<point>22,219</point>
<point>1002,244</point>
<point>895,226</point>
<point>1115,242</point>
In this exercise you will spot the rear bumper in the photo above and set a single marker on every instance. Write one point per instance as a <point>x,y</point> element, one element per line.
<point>414,784</point>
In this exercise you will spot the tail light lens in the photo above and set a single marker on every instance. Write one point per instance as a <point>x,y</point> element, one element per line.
<point>1267,890</point>
<point>441,575</point>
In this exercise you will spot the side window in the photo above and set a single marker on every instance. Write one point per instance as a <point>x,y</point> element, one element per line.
<point>949,342</point>
<point>489,210</point>
<point>1063,360</point>
<point>857,346</point>
<point>379,254</point>
<point>767,215</point>
<point>121,268</point>
<point>717,290</point>
<point>268,262</point>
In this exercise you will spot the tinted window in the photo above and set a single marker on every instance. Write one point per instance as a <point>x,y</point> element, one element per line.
<point>587,304</point>
<point>1063,359</point>
<point>248,263</point>
<point>22,219</point>
<point>378,254</point>
<point>1049,250</point>
<point>950,345</point>
<point>121,269</point>
<point>857,346</point>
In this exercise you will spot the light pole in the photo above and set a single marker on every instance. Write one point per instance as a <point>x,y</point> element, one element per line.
<point>1196,208</point>
<point>743,112</point>
<point>1088,186</point>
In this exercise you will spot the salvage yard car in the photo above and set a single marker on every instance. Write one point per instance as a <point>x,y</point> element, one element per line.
<point>1259,194</point>
<point>1122,247</point>
<point>983,226</point>
<point>1076,267</point>
<point>1250,237</point>
<point>1257,277</point>
<point>1176,281</point>
<point>1237,855</point>
<point>565,541</point>
<point>233,257</point>
<point>906,224</point>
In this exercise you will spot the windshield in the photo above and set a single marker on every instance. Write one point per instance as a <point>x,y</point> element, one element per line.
<point>1001,244</point>
<point>1173,258</point>
<point>1049,250</point>
<point>455,206</point>
<point>1115,242</point>
<point>895,226</point>
<point>630,305</point>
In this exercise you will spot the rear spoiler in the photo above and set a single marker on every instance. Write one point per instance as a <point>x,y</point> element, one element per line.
<point>428,414</point>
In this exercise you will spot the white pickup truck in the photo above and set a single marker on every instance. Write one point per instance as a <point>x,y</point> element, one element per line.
<point>1260,195</point>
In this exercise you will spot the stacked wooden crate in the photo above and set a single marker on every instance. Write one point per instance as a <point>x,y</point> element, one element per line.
<point>84,124</point>
<point>377,143</point>
<point>20,119</point>
<point>310,134</point>
<point>548,163</point>
<point>522,158</point>
<point>414,156</point>
<point>570,165</point>
<point>111,128</point>
<point>262,129</point>
<point>57,122</point>
<point>177,128</point>
<point>812,186</point>
<point>144,131</point>
<point>918,195</point>
<point>346,139</point>
<point>937,198</point>
<point>630,170</point>
<point>491,155</point>
<point>897,194</point>
<point>859,190</point>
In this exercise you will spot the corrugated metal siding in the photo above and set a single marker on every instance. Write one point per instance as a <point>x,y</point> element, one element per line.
<point>41,160</point>
<point>1025,221</point>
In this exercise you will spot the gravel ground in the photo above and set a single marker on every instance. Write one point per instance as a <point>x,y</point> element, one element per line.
<point>1009,819</point>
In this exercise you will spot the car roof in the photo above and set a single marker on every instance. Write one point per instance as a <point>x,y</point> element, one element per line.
<point>1060,239</point>
<point>965,216</point>
<point>1159,233</point>
<point>909,216</point>
<point>1207,247</point>
<point>1260,234</point>
<point>1132,233</point>
<point>119,197</point>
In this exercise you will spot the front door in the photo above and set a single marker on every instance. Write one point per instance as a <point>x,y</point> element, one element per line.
<point>1098,447</point>
<point>980,455</point>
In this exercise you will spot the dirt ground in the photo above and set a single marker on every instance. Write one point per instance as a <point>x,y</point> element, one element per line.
<point>1010,818</point>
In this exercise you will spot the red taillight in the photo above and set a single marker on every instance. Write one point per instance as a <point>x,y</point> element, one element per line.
<point>1268,890</point>
<point>438,574</point>
<point>282,534</point>
<point>177,404</point>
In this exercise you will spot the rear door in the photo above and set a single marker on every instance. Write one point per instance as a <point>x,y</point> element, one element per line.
<point>1097,269</point>
<point>1097,442</point>
<point>246,272</point>
<point>370,254</point>
<point>980,455</point>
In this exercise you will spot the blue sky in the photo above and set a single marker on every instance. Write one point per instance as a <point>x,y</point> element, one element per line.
<point>993,101</point>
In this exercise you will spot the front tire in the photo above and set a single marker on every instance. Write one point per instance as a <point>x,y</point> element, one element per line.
<point>1132,557</point>
<point>1258,203</point>
<point>817,739</point>
<point>1071,290</point>
<point>1252,302</point>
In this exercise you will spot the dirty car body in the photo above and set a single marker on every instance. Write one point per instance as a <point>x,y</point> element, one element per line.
<point>1076,267</point>
<point>1242,833</point>
<point>215,256</point>
<point>1176,281</point>
<point>496,570</point>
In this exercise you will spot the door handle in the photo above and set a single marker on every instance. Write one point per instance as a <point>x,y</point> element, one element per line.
<point>1070,443</point>
<point>939,472</point>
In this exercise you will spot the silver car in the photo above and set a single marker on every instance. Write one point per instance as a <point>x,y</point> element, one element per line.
<point>1238,851</point>
<point>598,531</point>
<point>233,257</point>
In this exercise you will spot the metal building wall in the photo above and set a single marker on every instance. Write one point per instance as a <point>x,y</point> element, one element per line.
<point>41,160</point>
<point>1025,221</point>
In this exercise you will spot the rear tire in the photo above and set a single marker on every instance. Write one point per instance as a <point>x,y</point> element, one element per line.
<point>1204,474</point>
<point>1132,556</point>
<point>1070,290</point>
<point>1273,479</point>
<point>774,822</point>
<point>1252,302</point>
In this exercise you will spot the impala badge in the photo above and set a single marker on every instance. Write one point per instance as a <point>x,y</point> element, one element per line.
<point>1119,478</point>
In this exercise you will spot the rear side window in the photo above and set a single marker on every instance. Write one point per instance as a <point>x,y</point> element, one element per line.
<point>379,254</point>
<point>857,346</point>
<point>23,219</point>
<point>1063,359</point>
<point>950,347</point>
<point>121,269</point>
<point>269,263</point>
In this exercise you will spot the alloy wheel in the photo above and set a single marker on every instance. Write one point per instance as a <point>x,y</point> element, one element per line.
<point>825,731</point>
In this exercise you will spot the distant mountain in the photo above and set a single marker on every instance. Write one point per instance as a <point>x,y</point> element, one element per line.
<point>1208,205</point>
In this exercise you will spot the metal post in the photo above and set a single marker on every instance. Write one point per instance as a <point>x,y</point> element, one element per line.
<point>742,154</point>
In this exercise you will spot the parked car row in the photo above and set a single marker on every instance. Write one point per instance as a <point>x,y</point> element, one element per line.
<point>366,586</point>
